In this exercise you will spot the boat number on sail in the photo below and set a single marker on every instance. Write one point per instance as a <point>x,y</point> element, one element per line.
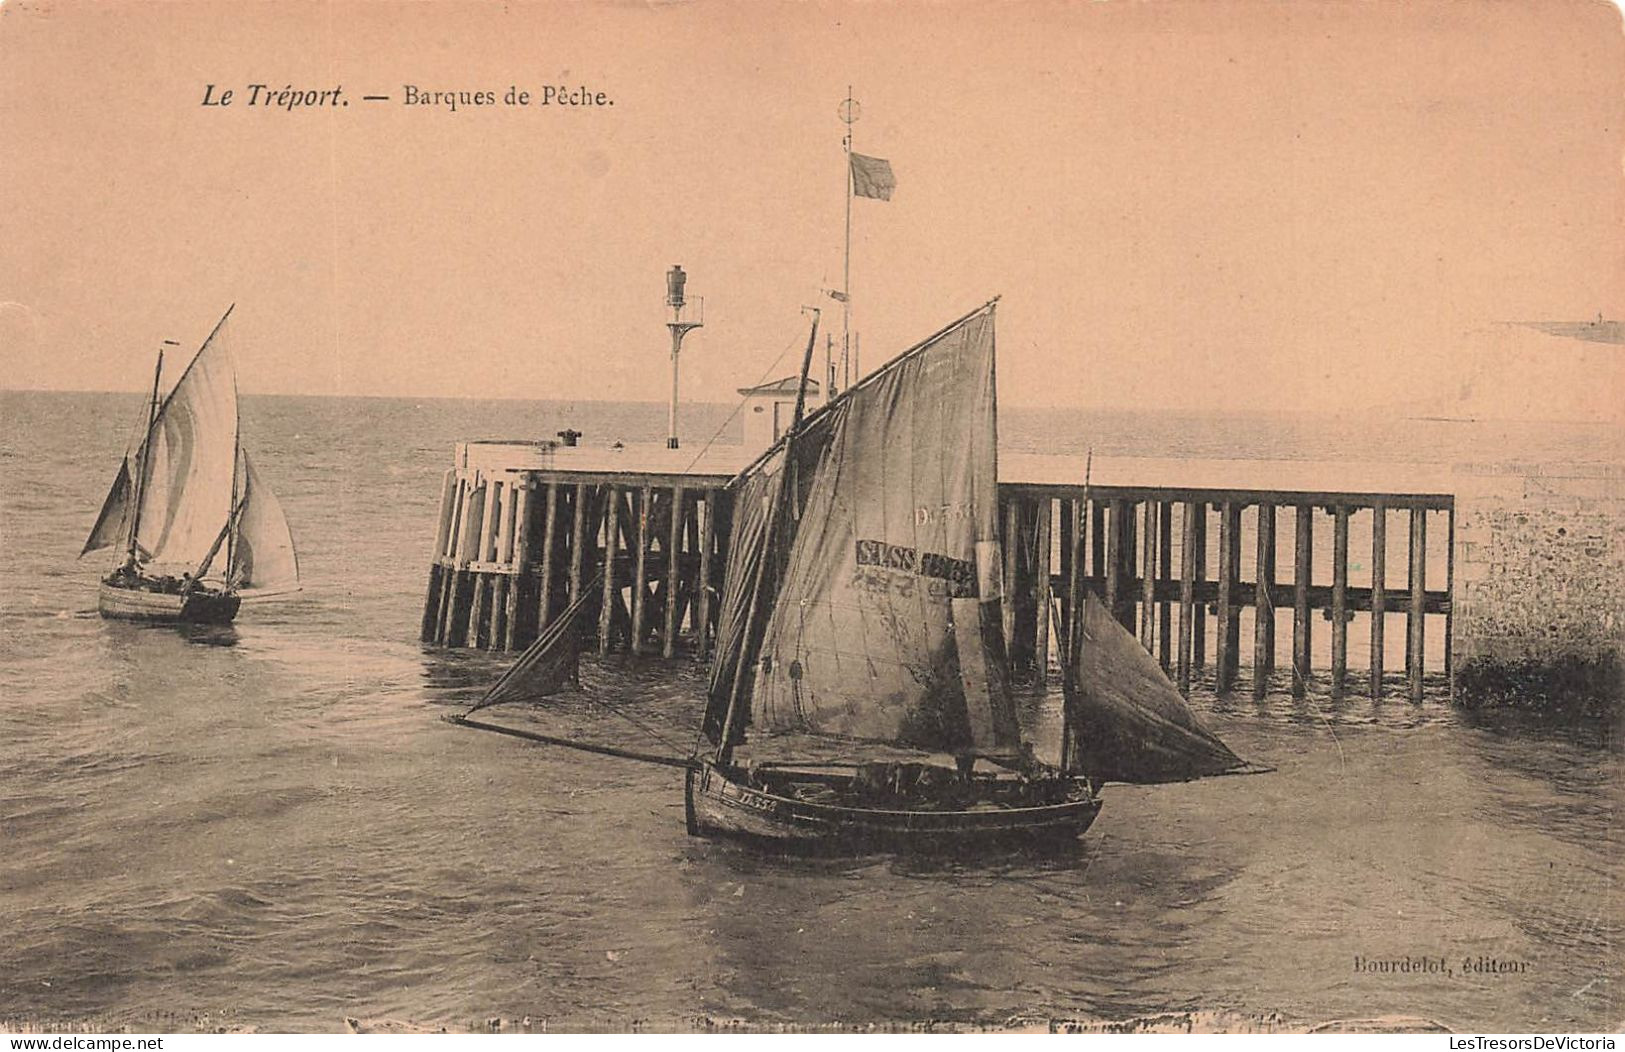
<point>945,577</point>
<point>958,511</point>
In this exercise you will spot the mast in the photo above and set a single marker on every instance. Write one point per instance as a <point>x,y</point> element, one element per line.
<point>146,439</point>
<point>223,536</point>
<point>1074,642</point>
<point>228,532</point>
<point>232,524</point>
<point>806,367</point>
<point>726,744</point>
<point>234,519</point>
<point>849,114</point>
<point>829,367</point>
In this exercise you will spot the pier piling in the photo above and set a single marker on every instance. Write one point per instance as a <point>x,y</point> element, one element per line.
<point>1340,596</point>
<point>1302,568</point>
<point>610,563</point>
<point>1416,614</point>
<point>1012,524</point>
<point>1379,592</point>
<point>1043,587</point>
<point>1187,597</point>
<point>1148,576</point>
<point>1199,620</point>
<point>668,626</point>
<point>1264,602</point>
<point>640,574</point>
<point>1165,561</point>
<point>437,570</point>
<point>521,566</point>
<point>579,514</point>
<point>1225,646</point>
<point>549,559</point>
<point>463,584</point>
<point>705,587</point>
<point>1115,512</point>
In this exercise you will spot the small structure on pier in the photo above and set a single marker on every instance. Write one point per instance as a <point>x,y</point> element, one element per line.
<point>768,409</point>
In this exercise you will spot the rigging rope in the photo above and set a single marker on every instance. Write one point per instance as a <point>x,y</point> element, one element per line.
<point>640,725</point>
<point>634,721</point>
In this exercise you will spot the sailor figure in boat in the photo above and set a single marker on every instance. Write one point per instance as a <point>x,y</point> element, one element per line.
<point>197,527</point>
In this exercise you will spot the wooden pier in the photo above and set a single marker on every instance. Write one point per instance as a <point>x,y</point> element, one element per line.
<point>525,527</point>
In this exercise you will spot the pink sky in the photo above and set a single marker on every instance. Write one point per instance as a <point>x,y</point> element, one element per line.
<point>1227,205</point>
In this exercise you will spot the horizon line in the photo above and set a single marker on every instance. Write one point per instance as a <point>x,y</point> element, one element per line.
<point>1399,412</point>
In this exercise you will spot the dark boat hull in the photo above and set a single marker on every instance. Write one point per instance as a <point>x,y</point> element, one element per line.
<point>718,805</point>
<point>197,607</point>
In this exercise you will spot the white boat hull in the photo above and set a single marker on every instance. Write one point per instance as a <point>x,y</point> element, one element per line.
<point>138,604</point>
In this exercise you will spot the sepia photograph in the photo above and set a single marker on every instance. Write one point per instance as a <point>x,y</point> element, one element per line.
<point>912,516</point>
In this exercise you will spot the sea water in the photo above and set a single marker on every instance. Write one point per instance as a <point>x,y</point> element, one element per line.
<point>268,827</point>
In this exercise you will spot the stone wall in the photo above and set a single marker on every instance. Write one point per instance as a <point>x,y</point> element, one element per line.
<point>1539,603</point>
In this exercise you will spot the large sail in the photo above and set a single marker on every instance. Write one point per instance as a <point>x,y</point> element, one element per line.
<point>263,561</point>
<point>883,627</point>
<point>110,524</point>
<point>1129,723</point>
<point>189,464</point>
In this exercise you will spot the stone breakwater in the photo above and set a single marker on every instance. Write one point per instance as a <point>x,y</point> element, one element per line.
<point>1539,587</point>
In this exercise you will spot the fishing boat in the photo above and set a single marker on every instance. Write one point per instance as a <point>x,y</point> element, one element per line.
<point>859,694</point>
<point>196,527</point>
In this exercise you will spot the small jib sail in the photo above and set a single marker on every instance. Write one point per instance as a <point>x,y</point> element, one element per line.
<point>872,614</point>
<point>549,665</point>
<point>552,662</point>
<point>186,492</point>
<point>111,523</point>
<point>262,559</point>
<point>1128,723</point>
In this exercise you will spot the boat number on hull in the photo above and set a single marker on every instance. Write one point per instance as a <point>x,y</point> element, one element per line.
<point>754,802</point>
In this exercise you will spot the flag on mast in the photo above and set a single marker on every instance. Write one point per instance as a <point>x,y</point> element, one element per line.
<point>872,177</point>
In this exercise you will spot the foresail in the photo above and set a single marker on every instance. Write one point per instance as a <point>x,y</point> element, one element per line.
<point>1130,724</point>
<point>263,560</point>
<point>110,524</point>
<point>552,662</point>
<point>884,627</point>
<point>189,462</point>
<point>765,522</point>
<point>754,496</point>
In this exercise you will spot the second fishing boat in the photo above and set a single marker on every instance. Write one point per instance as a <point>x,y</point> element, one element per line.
<point>196,526</point>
